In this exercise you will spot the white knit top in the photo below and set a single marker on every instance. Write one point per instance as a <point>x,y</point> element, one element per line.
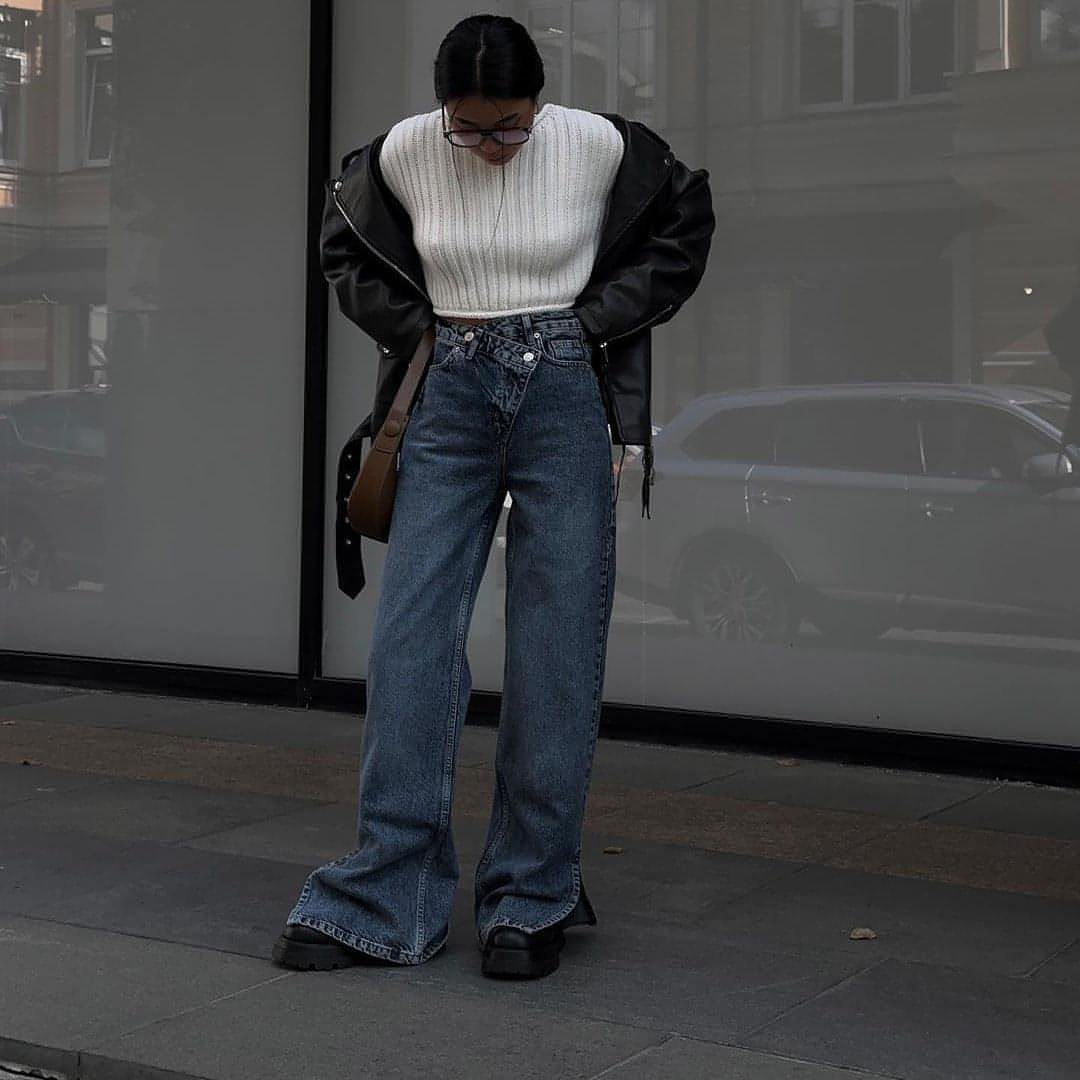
<point>539,252</point>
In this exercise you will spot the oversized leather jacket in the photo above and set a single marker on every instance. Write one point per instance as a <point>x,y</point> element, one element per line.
<point>654,243</point>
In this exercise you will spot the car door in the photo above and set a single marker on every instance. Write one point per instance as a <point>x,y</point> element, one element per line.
<point>834,502</point>
<point>989,548</point>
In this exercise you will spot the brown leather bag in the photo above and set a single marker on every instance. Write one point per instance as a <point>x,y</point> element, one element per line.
<point>371,502</point>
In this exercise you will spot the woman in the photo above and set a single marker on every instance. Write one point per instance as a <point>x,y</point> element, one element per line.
<point>501,205</point>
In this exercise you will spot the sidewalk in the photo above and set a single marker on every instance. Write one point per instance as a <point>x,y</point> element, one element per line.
<point>150,849</point>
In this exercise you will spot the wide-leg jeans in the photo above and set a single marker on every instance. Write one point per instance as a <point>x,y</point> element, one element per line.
<point>511,405</point>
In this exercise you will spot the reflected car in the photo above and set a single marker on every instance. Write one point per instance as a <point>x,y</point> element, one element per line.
<point>861,507</point>
<point>52,485</point>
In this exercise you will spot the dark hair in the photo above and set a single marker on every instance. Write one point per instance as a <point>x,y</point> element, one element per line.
<point>493,56</point>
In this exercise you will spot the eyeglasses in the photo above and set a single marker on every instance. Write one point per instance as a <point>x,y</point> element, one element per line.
<point>475,136</point>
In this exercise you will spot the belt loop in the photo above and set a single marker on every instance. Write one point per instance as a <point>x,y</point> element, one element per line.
<point>528,324</point>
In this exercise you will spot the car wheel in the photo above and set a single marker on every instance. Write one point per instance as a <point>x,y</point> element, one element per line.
<point>25,562</point>
<point>738,597</point>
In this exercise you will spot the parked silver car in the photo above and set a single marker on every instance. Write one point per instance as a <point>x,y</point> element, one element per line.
<point>861,507</point>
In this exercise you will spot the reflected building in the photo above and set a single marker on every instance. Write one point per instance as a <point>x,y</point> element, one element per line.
<point>864,508</point>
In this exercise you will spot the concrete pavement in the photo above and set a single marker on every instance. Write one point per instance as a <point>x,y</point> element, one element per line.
<point>151,847</point>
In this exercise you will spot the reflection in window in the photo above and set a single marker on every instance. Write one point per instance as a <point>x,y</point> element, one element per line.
<point>40,421</point>
<point>977,442</point>
<point>933,45</point>
<point>16,31</point>
<point>861,52</point>
<point>876,48</point>
<point>737,435</point>
<point>1059,27</point>
<point>822,70</point>
<point>864,434</point>
<point>98,86</point>
<point>599,54</point>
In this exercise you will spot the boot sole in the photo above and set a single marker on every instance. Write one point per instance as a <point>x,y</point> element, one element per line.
<point>304,956</point>
<point>521,963</point>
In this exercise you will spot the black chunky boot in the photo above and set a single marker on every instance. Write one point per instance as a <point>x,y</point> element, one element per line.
<point>306,949</point>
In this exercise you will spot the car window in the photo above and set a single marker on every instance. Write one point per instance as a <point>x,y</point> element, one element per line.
<point>738,434</point>
<point>40,421</point>
<point>979,442</point>
<point>86,426</point>
<point>868,434</point>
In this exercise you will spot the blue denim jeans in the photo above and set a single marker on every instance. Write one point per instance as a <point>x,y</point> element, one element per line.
<point>510,405</point>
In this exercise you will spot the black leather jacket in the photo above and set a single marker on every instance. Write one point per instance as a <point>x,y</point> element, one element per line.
<point>654,243</point>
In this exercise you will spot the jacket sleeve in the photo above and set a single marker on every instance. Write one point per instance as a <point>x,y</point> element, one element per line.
<point>367,291</point>
<point>664,270</point>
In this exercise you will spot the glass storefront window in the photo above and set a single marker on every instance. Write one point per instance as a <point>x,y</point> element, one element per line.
<point>151,384</point>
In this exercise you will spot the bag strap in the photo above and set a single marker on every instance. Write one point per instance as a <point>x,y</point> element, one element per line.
<point>388,437</point>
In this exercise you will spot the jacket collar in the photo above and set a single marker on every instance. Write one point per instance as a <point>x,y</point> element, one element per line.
<point>383,223</point>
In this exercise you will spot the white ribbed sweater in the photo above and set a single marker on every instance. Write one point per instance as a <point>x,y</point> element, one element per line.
<point>539,253</point>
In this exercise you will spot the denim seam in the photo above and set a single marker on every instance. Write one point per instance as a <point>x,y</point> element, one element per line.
<point>367,945</point>
<point>502,818</point>
<point>465,605</point>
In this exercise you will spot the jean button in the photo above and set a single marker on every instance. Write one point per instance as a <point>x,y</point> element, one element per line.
<point>468,335</point>
<point>528,357</point>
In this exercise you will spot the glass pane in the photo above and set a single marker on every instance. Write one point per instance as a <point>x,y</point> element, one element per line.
<point>100,31</point>
<point>40,421</point>
<point>898,247</point>
<point>932,44</point>
<point>10,99</point>
<point>100,108</point>
<point>821,52</point>
<point>987,45</point>
<point>734,435</point>
<point>551,34</point>
<point>867,435</point>
<point>162,519</point>
<point>877,43</point>
<point>977,442</point>
<point>637,59</point>
<point>592,47</point>
<point>1059,26</point>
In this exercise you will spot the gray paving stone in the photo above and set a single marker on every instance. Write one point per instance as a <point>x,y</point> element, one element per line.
<point>836,786</point>
<point>662,768</point>
<point>227,721</point>
<point>1033,809</point>
<point>980,929</point>
<point>624,762</point>
<point>924,1022</point>
<point>19,782</point>
<point>634,971</point>
<point>314,834</point>
<point>67,987</point>
<point>160,891</point>
<point>98,708</point>
<point>147,810</point>
<point>691,1059</point>
<point>1062,968</point>
<point>349,1024</point>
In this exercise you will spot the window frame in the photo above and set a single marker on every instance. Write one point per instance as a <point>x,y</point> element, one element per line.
<point>847,101</point>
